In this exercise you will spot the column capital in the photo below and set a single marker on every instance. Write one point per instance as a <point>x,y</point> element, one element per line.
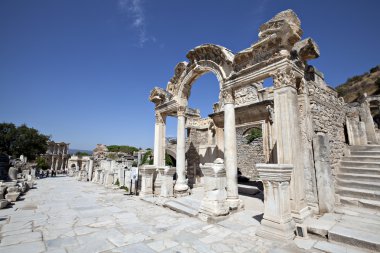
<point>181,110</point>
<point>284,77</point>
<point>228,96</point>
<point>160,118</point>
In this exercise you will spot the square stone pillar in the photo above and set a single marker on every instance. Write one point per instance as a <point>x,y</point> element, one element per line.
<point>109,179</point>
<point>214,202</point>
<point>277,223</point>
<point>289,145</point>
<point>146,172</point>
<point>167,183</point>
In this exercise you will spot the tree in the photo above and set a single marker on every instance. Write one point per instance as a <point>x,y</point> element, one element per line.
<point>254,134</point>
<point>124,149</point>
<point>80,153</point>
<point>22,140</point>
<point>42,163</point>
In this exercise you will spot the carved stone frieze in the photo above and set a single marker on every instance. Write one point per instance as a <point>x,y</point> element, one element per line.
<point>246,95</point>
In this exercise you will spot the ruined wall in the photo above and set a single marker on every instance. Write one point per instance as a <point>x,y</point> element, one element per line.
<point>328,116</point>
<point>248,154</point>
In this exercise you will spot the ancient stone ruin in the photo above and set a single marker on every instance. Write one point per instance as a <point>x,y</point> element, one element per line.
<point>307,131</point>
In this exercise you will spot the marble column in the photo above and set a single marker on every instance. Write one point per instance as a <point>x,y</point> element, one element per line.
<point>289,144</point>
<point>90,167</point>
<point>181,183</point>
<point>159,140</point>
<point>277,222</point>
<point>52,162</point>
<point>63,163</point>
<point>230,155</point>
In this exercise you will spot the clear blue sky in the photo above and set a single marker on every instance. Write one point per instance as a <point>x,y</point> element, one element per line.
<point>82,70</point>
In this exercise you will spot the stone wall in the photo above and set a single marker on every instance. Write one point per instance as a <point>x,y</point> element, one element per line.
<point>328,116</point>
<point>248,154</point>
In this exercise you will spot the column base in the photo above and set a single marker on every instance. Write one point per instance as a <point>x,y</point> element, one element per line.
<point>235,204</point>
<point>301,215</point>
<point>276,231</point>
<point>181,189</point>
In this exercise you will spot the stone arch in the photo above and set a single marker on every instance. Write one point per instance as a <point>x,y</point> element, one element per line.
<point>202,59</point>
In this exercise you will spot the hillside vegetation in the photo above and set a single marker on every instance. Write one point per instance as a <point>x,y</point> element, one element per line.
<point>356,86</point>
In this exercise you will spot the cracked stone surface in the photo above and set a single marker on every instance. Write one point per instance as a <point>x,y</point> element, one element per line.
<point>71,216</point>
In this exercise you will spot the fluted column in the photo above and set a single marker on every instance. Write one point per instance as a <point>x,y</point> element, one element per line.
<point>289,144</point>
<point>230,155</point>
<point>181,184</point>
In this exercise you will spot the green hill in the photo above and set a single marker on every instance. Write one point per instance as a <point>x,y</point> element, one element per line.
<point>356,86</point>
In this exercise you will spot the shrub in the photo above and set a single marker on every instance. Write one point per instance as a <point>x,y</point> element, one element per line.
<point>254,134</point>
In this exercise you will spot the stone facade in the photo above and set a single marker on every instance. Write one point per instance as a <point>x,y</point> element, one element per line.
<point>57,155</point>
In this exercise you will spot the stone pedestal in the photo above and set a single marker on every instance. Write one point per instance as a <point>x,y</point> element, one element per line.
<point>146,173</point>
<point>109,179</point>
<point>215,201</point>
<point>277,222</point>
<point>3,203</point>
<point>167,182</point>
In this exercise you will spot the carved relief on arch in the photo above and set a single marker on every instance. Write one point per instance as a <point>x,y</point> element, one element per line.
<point>179,72</point>
<point>219,55</point>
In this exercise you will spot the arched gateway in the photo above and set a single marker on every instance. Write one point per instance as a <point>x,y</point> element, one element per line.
<point>291,114</point>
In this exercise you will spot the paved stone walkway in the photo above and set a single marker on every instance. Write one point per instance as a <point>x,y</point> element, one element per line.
<point>64,215</point>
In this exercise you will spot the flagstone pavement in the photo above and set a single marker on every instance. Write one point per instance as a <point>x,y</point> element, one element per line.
<point>64,215</point>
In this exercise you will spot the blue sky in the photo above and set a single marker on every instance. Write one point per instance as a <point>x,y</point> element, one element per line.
<point>82,70</point>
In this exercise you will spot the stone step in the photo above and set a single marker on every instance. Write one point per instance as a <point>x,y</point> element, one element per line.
<point>369,185</point>
<point>352,158</point>
<point>330,247</point>
<point>357,164</point>
<point>365,148</point>
<point>361,203</point>
<point>359,177</point>
<point>365,153</point>
<point>182,208</point>
<point>349,233</point>
<point>363,171</point>
<point>358,193</point>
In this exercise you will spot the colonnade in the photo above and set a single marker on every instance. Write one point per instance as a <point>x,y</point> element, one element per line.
<point>230,155</point>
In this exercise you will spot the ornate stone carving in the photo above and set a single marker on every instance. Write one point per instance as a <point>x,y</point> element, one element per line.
<point>217,54</point>
<point>179,71</point>
<point>159,118</point>
<point>159,96</point>
<point>246,95</point>
<point>228,96</point>
<point>271,113</point>
<point>284,77</point>
<point>181,110</point>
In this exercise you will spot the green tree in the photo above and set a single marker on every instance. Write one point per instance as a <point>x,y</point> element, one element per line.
<point>22,140</point>
<point>80,153</point>
<point>254,134</point>
<point>145,158</point>
<point>42,163</point>
<point>124,149</point>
